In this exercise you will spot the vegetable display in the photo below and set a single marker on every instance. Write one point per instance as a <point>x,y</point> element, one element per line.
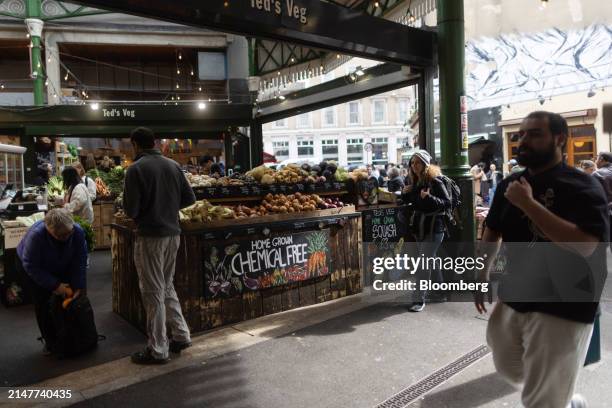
<point>102,189</point>
<point>203,211</point>
<point>55,187</point>
<point>113,180</point>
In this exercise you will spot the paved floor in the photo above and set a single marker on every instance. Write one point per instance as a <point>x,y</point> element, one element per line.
<point>21,360</point>
<point>356,352</point>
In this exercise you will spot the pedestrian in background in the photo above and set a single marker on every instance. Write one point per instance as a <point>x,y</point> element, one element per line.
<point>77,199</point>
<point>588,166</point>
<point>396,182</point>
<point>604,176</point>
<point>155,190</point>
<point>430,200</point>
<point>543,344</point>
<point>494,177</point>
<point>88,181</point>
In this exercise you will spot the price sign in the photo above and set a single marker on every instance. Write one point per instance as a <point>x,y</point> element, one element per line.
<point>211,191</point>
<point>256,190</point>
<point>244,190</point>
<point>299,187</point>
<point>225,191</point>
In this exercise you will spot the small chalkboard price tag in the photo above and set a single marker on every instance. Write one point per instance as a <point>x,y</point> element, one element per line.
<point>273,188</point>
<point>255,190</point>
<point>209,235</point>
<point>328,185</point>
<point>283,188</point>
<point>250,231</point>
<point>311,188</point>
<point>211,191</point>
<point>225,191</point>
<point>338,186</point>
<point>299,225</point>
<point>299,187</point>
<point>244,190</point>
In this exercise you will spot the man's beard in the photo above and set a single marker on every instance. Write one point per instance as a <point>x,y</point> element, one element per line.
<point>533,159</point>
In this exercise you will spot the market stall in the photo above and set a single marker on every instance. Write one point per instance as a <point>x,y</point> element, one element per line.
<point>252,247</point>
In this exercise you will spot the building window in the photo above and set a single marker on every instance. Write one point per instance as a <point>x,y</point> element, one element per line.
<point>329,116</point>
<point>353,113</point>
<point>330,149</point>
<point>379,111</point>
<point>282,123</point>
<point>280,150</point>
<point>402,110</point>
<point>305,148</point>
<point>354,151</point>
<point>380,150</point>
<point>303,120</point>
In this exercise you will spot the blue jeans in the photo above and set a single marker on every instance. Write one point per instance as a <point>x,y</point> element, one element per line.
<point>429,248</point>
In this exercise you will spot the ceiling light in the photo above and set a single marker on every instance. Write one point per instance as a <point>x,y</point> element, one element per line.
<point>94,106</point>
<point>201,106</point>
<point>281,97</point>
<point>591,93</point>
<point>376,4</point>
<point>359,71</point>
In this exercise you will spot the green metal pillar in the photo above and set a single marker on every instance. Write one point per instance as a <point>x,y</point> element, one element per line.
<point>34,24</point>
<point>453,111</point>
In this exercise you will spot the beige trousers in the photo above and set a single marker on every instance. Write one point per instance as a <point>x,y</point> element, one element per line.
<point>155,260</point>
<point>541,351</point>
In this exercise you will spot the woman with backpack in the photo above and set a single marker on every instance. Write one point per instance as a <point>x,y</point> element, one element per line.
<point>430,200</point>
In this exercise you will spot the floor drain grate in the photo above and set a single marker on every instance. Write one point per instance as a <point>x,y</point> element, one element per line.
<point>416,391</point>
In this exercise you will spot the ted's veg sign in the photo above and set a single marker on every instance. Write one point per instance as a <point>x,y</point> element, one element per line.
<point>282,7</point>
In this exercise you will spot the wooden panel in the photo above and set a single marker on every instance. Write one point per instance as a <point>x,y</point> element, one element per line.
<point>106,240</point>
<point>210,313</point>
<point>272,301</point>
<point>308,293</point>
<point>97,209</point>
<point>291,297</point>
<point>232,310</point>
<point>323,290</point>
<point>107,213</point>
<point>252,305</point>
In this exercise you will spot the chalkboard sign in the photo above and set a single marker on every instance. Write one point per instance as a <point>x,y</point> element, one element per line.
<point>237,266</point>
<point>384,224</point>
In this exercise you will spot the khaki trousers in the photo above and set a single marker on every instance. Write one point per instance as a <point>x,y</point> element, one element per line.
<point>541,351</point>
<point>155,260</point>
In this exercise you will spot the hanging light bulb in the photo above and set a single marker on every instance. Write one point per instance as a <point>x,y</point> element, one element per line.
<point>66,77</point>
<point>47,83</point>
<point>180,56</point>
<point>178,71</point>
<point>173,98</point>
<point>192,72</point>
<point>376,4</point>
<point>200,89</point>
<point>177,86</point>
<point>178,97</point>
<point>1,86</point>
<point>28,35</point>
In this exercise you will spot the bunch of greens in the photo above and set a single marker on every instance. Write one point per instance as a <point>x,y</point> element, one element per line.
<point>89,234</point>
<point>55,187</point>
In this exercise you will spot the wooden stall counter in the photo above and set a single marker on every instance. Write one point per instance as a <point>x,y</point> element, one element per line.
<point>234,270</point>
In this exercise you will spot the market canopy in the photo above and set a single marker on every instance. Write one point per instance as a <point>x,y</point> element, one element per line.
<point>312,23</point>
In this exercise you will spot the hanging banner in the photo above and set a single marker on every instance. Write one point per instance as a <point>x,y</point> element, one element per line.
<point>234,267</point>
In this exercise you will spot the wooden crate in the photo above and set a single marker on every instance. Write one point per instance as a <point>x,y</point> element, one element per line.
<point>107,213</point>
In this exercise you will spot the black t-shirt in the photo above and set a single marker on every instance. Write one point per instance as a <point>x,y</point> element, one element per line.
<point>574,196</point>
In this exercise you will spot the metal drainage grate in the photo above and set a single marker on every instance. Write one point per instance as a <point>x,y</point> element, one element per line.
<point>415,391</point>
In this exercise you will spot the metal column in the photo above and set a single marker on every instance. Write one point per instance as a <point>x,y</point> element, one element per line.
<point>453,136</point>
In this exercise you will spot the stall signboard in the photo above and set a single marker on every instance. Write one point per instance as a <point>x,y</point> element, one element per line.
<point>241,265</point>
<point>383,231</point>
<point>384,225</point>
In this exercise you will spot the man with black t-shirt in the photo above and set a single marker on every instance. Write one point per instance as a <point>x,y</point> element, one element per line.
<point>539,331</point>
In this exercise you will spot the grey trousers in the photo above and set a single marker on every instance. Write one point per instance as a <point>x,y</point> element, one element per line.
<point>155,260</point>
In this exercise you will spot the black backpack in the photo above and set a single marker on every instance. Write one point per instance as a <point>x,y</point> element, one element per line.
<point>75,327</point>
<point>452,214</point>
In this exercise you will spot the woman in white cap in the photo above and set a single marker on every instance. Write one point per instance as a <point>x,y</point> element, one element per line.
<point>430,200</point>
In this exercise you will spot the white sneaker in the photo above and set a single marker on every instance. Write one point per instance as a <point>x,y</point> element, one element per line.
<point>417,307</point>
<point>578,401</point>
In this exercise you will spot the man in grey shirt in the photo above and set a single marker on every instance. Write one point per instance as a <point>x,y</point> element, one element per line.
<point>155,190</point>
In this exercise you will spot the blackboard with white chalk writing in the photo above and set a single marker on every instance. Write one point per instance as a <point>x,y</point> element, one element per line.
<point>384,224</point>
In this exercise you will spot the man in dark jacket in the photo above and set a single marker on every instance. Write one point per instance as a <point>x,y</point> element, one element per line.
<point>396,182</point>
<point>155,190</point>
<point>53,253</point>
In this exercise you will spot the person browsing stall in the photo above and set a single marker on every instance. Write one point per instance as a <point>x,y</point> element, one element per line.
<point>155,190</point>
<point>77,199</point>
